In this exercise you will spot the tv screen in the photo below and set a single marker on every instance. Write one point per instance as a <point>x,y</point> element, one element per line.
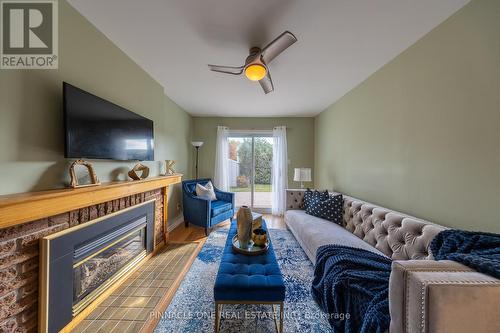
<point>98,129</point>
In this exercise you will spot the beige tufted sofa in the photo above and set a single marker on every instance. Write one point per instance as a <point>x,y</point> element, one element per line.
<point>425,295</point>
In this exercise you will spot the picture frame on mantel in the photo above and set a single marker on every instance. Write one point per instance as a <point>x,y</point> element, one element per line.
<point>74,183</point>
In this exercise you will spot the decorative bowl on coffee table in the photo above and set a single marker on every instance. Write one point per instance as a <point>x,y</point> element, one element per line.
<point>251,250</point>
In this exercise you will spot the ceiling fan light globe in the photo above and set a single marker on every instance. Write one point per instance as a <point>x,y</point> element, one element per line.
<point>255,72</point>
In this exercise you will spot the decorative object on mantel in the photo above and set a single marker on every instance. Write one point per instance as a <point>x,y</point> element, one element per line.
<point>302,175</point>
<point>139,167</point>
<point>90,169</point>
<point>169,167</point>
<point>197,145</point>
<point>244,223</point>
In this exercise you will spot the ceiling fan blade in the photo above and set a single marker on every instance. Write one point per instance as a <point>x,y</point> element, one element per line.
<point>280,44</point>
<point>227,69</point>
<point>267,83</point>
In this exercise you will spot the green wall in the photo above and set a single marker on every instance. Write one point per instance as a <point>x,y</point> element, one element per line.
<point>422,134</point>
<point>31,131</point>
<point>300,139</point>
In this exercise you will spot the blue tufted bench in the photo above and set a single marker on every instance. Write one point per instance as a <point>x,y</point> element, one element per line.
<point>245,279</point>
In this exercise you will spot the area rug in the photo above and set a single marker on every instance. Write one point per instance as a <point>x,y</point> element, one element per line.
<point>192,308</point>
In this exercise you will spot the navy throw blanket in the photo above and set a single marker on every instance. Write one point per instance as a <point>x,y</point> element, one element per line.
<point>352,283</point>
<point>477,250</point>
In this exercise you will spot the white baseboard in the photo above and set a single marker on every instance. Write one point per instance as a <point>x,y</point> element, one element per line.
<point>177,221</point>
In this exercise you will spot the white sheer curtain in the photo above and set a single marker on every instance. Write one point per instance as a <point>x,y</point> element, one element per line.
<point>280,170</point>
<point>221,174</point>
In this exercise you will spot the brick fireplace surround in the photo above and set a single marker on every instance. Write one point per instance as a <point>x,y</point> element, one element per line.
<point>19,254</point>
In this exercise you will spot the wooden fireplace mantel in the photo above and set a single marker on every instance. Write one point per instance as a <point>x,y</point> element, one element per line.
<point>25,207</point>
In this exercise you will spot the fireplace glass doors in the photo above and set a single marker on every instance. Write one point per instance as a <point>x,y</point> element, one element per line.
<point>98,270</point>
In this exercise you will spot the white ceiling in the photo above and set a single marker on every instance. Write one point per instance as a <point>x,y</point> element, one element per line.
<point>340,43</point>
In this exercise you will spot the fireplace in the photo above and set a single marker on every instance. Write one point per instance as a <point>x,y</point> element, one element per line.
<point>89,259</point>
<point>97,271</point>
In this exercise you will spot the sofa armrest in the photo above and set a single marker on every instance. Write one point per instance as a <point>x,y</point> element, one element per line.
<point>196,210</point>
<point>442,296</point>
<point>225,196</point>
<point>294,199</point>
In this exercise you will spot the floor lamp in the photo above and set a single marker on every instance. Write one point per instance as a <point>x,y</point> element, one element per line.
<point>197,145</point>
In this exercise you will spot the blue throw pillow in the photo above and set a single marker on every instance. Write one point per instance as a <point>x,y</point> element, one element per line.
<point>312,206</point>
<point>329,208</point>
<point>307,199</point>
<point>310,196</point>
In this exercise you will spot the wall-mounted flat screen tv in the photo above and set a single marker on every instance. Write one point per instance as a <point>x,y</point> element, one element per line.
<point>98,129</point>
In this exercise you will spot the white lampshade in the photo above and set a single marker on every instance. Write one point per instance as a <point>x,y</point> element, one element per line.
<point>197,144</point>
<point>302,175</point>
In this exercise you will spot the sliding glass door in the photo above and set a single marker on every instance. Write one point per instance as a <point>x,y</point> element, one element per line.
<point>250,165</point>
<point>240,170</point>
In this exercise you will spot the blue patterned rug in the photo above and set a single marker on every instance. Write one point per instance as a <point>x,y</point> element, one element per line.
<point>192,308</point>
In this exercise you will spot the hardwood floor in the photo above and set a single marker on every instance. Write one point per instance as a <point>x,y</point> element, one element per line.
<point>197,234</point>
<point>274,222</point>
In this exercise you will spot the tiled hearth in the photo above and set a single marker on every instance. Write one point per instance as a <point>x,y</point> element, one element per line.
<point>139,300</point>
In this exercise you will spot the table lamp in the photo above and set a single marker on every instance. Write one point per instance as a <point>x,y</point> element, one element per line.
<point>302,175</point>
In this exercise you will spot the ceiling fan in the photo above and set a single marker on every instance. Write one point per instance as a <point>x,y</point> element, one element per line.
<point>256,64</point>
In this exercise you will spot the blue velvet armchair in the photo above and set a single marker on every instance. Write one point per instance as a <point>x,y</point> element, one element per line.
<point>203,212</point>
